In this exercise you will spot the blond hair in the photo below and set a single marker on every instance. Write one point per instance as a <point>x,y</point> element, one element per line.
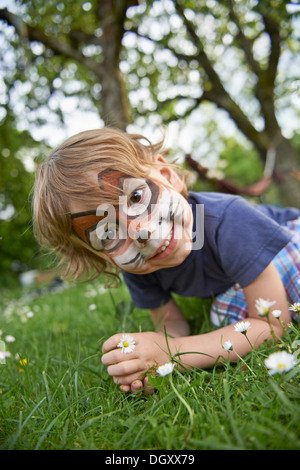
<point>64,177</point>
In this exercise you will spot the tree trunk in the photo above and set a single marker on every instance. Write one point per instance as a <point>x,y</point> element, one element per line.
<point>286,164</point>
<point>111,17</point>
<point>112,14</point>
<point>114,100</point>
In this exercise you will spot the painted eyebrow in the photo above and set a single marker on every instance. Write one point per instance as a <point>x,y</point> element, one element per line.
<point>125,177</point>
<point>102,174</point>
<point>120,178</point>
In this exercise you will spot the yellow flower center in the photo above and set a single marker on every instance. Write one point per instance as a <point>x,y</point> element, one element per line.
<point>24,362</point>
<point>280,366</point>
<point>125,344</point>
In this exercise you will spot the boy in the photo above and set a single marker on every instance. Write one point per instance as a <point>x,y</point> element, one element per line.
<point>103,201</point>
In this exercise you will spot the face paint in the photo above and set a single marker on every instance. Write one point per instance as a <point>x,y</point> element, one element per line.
<point>152,209</point>
<point>108,180</point>
<point>139,196</point>
<point>84,223</point>
<point>146,229</point>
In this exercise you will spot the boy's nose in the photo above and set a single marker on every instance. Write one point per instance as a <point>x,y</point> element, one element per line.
<point>143,235</point>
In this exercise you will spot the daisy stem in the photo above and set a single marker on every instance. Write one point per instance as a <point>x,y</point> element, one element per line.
<point>189,409</point>
<point>271,329</point>
<point>254,350</point>
<point>251,345</point>
<point>241,359</point>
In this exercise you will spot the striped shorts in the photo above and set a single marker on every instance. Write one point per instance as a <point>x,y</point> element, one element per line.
<point>231,306</point>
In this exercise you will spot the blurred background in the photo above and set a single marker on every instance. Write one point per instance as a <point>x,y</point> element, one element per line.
<point>220,79</point>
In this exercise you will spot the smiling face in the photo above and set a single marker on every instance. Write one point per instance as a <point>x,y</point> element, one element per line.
<point>149,229</point>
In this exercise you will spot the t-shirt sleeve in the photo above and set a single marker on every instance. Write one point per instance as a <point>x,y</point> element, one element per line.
<point>145,291</point>
<point>247,241</point>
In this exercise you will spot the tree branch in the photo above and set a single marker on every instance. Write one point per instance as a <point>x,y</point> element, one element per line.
<point>79,36</point>
<point>201,56</point>
<point>218,94</point>
<point>246,44</point>
<point>196,102</point>
<point>111,15</point>
<point>32,33</point>
<point>273,30</point>
<point>164,45</point>
<point>264,89</point>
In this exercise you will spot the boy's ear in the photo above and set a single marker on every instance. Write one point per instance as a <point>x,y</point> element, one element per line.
<point>169,174</point>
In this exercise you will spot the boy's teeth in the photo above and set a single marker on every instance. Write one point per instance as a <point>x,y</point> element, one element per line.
<point>167,243</point>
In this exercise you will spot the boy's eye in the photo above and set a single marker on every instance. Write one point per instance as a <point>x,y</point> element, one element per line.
<point>136,196</point>
<point>105,236</point>
<point>109,233</point>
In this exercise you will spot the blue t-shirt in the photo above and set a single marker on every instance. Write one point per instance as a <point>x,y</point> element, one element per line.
<point>240,241</point>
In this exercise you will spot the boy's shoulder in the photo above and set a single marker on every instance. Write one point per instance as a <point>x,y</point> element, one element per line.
<point>216,204</point>
<point>213,197</point>
<point>220,205</point>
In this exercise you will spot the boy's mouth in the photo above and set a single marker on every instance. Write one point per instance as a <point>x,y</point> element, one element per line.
<point>165,247</point>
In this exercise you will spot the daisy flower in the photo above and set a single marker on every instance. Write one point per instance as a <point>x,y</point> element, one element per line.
<point>227,345</point>
<point>280,362</point>
<point>295,307</point>
<point>165,369</point>
<point>276,313</point>
<point>3,356</point>
<point>10,339</point>
<point>263,306</point>
<point>127,344</point>
<point>242,326</point>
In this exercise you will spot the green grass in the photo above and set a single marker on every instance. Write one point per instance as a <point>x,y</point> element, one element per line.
<point>63,398</point>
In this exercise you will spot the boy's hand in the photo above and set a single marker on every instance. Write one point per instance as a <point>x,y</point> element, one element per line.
<point>128,369</point>
<point>138,385</point>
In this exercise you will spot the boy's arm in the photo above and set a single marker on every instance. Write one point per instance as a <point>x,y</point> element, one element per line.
<point>201,350</point>
<point>268,286</point>
<point>170,318</point>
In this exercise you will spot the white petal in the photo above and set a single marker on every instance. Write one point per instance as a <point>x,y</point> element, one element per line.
<point>242,326</point>
<point>165,369</point>
<point>227,345</point>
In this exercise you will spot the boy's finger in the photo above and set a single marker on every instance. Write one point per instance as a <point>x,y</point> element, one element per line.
<point>136,386</point>
<point>125,368</point>
<point>140,385</point>
<point>116,356</point>
<point>128,379</point>
<point>112,342</point>
<point>125,388</point>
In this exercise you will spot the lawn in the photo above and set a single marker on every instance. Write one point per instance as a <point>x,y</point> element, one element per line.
<point>55,393</point>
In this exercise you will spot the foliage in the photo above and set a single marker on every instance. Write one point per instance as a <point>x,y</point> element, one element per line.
<point>57,395</point>
<point>175,55</point>
<point>241,164</point>
<point>18,248</point>
<point>194,47</point>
